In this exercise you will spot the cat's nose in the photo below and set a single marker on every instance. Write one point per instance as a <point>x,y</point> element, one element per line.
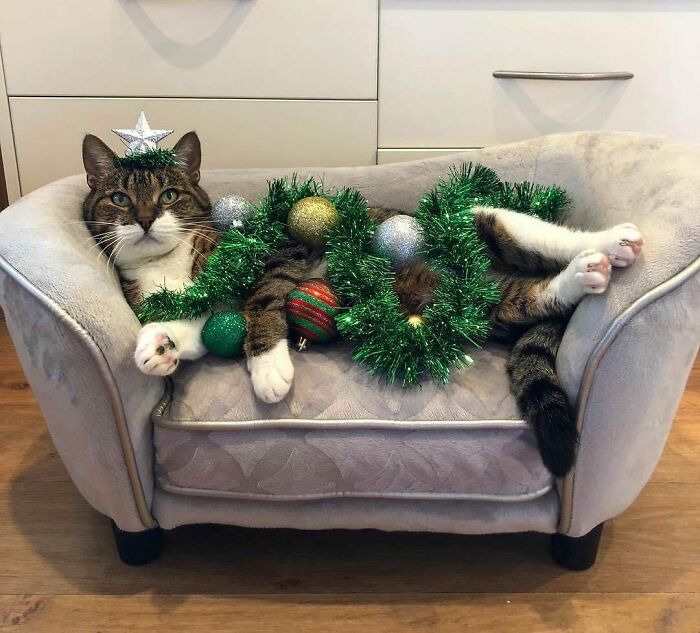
<point>145,223</point>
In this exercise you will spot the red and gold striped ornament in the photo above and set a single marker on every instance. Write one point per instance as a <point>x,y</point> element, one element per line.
<point>311,310</point>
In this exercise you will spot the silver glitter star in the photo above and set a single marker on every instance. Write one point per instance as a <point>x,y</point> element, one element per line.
<point>142,138</point>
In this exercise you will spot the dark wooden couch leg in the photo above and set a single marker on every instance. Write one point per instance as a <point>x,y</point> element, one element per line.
<point>577,553</point>
<point>139,548</point>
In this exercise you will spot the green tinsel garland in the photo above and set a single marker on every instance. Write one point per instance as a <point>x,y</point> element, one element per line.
<point>151,159</point>
<point>239,258</point>
<point>231,270</point>
<point>386,342</point>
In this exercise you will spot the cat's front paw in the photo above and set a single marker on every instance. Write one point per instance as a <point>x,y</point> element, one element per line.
<point>156,353</point>
<point>622,244</point>
<point>272,373</point>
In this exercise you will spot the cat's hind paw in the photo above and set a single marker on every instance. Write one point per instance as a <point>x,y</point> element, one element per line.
<point>272,373</point>
<point>591,272</point>
<point>622,244</point>
<point>156,353</point>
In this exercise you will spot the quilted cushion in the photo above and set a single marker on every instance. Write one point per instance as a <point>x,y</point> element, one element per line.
<point>342,432</point>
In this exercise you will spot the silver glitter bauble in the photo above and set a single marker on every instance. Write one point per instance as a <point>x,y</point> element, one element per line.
<point>400,239</point>
<point>229,212</point>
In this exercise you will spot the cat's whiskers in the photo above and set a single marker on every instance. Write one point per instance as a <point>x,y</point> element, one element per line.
<point>112,259</point>
<point>104,243</point>
<point>179,239</point>
<point>119,249</point>
<point>200,234</point>
<point>103,237</point>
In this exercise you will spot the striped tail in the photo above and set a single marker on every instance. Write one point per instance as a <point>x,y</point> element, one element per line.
<point>542,401</point>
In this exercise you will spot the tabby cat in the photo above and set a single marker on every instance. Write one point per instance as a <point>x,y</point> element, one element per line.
<point>155,225</point>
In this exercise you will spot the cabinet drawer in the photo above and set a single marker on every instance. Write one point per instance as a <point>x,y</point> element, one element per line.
<point>191,48</point>
<point>234,133</point>
<point>437,62</point>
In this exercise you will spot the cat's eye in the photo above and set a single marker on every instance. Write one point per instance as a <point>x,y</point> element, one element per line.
<point>120,199</point>
<point>168,196</point>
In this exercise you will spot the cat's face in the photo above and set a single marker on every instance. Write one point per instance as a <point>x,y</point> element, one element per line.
<point>136,214</point>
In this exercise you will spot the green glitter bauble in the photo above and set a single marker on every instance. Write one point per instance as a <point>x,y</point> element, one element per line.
<point>310,219</point>
<point>223,333</point>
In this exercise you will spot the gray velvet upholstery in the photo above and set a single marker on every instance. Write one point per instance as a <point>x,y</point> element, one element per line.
<point>314,462</point>
<point>625,356</point>
<point>329,385</point>
<point>342,432</point>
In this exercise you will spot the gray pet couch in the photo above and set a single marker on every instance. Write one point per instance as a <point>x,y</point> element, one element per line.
<point>343,450</point>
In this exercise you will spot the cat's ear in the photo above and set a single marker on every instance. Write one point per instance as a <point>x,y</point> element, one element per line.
<point>97,158</point>
<point>189,155</point>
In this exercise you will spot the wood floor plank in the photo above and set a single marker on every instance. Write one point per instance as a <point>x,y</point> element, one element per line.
<point>411,612</point>
<point>681,459</point>
<point>53,543</point>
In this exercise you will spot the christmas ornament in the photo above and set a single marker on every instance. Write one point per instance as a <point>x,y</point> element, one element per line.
<point>310,219</point>
<point>142,138</point>
<point>406,348</point>
<point>230,211</point>
<point>311,310</point>
<point>400,238</point>
<point>224,333</point>
<point>228,275</point>
<point>238,260</point>
<point>416,320</point>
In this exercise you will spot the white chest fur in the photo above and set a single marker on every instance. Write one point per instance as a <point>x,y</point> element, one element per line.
<point>172,270</point>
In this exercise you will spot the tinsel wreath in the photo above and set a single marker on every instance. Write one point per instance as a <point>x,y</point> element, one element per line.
<point>239,258</point>
<point>387,341</point>
<point>234,266</point>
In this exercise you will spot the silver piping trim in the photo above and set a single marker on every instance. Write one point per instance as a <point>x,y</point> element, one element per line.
<point>105,373</point>
<point>413,496</point>
<point>594,360</point>
<point>294,423</point>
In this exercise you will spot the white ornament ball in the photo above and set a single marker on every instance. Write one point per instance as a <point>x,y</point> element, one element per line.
<point>229,212</point>
<point>399,238</point>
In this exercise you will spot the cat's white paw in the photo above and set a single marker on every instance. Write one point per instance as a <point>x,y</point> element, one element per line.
<point>272,373</point>
<point>589,272</point>
<point>156,353</point>
<point>622,244</point>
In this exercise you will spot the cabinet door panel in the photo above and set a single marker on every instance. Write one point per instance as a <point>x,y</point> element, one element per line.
<point>437,60</point>
<point>191,48</point>
<point>234,133</point>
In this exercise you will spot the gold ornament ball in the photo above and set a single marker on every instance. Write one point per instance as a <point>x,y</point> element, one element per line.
<point>310,219</point>
<point>416,320</point>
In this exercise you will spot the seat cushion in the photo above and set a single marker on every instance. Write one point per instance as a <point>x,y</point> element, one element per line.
<point>342,432</point>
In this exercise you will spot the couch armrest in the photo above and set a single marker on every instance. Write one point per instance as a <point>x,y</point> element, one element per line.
<point>626,356</point>
<point>74,334</point>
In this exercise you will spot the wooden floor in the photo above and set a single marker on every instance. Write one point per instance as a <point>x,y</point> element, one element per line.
<point>59,571</point>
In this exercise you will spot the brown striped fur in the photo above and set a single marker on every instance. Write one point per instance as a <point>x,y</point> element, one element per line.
<point>144,187</point>
<point>506,255</point>
<point>521,275</point>
<point>264,310</point>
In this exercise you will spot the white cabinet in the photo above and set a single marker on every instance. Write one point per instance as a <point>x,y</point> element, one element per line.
<point>191,48</point>
<point>436,84</point>
<point>234,133</point>
<point>336,82</point>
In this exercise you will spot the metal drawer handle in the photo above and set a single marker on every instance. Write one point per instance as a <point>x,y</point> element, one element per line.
<point>526,74</point>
